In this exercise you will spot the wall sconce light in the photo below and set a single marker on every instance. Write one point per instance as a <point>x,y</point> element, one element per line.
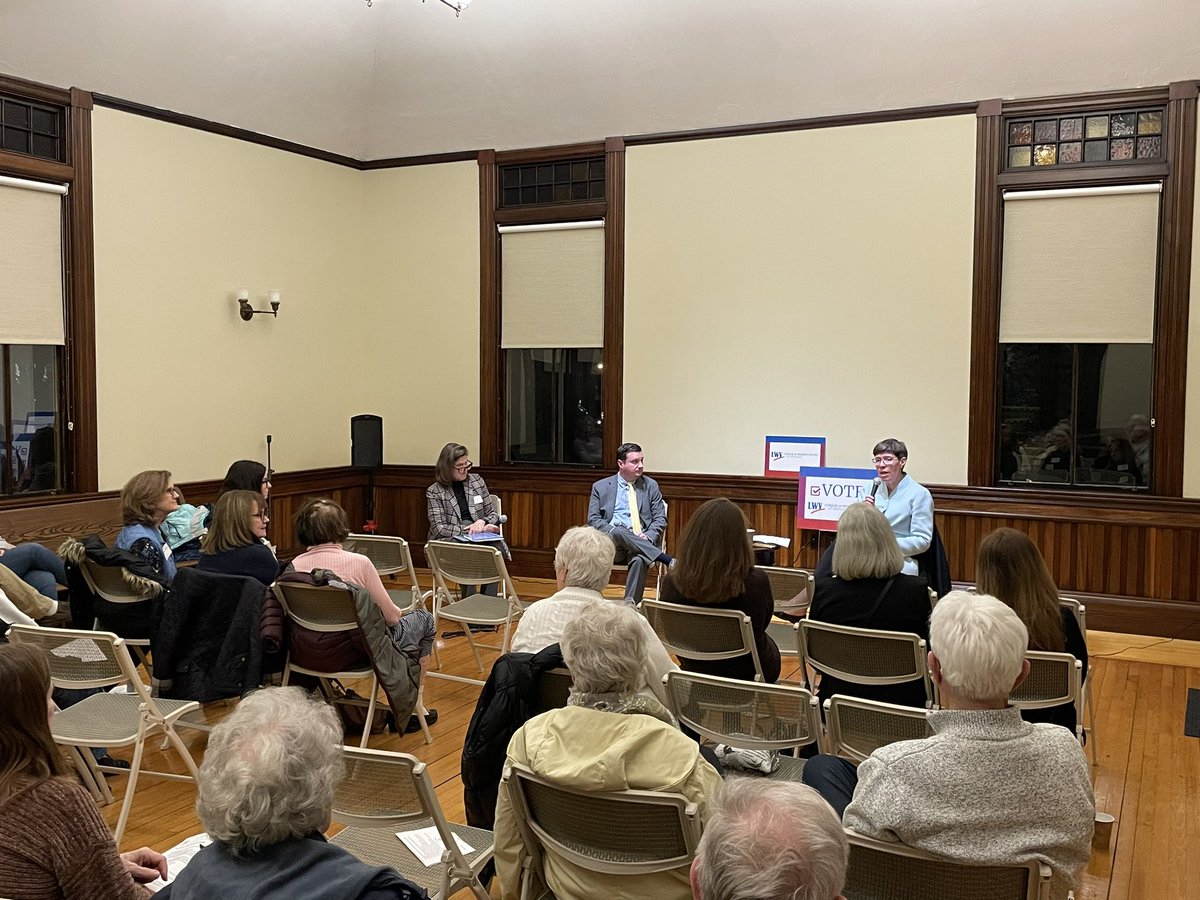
<point>248,312</point>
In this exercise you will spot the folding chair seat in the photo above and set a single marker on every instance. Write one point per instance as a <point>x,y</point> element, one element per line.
<point>90,659</point>
<point>692,632</point>
<point>458,563</point>
<point>855,728</point>
<point>384,792</point>
<point>747,715</point>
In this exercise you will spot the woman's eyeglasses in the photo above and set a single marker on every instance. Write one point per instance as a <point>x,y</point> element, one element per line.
<point>261,515</point>
<point>464,466</point>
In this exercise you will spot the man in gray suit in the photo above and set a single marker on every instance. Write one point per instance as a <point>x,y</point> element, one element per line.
<point>636,527</point>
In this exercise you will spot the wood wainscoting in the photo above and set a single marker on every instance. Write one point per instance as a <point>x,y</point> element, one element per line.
<point>1135,561</point>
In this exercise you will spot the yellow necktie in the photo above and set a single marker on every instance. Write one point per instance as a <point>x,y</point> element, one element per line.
<point>634,519</point>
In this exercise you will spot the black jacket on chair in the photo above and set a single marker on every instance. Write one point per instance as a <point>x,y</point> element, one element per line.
<point>508,699</point>
<point>207,646</point>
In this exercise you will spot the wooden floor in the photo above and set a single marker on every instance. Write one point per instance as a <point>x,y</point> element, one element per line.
<point>1147,776</point>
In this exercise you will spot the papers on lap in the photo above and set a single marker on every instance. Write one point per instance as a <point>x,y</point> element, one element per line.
<point>178,857</point>
<point>483,537</point>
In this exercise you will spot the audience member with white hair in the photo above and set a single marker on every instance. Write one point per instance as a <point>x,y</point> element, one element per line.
<point>609,738</point>
<point>265,794</point>
<point>770,840</point>
<point>988,787</point>
<point>583,562</point>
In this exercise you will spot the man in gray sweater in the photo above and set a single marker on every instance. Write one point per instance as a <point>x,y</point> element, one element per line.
<point>987,787</point>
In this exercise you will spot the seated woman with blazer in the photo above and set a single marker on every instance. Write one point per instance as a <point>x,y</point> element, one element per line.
<point>458,503</point>
<point>869,590</point>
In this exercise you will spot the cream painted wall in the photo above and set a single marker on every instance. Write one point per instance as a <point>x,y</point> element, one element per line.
<point>422,295</point>
<point>369,264</point>
<point>1191,444</point>
<point>811,283</point>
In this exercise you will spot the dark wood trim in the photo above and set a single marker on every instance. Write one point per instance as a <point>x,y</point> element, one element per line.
<point>1183,90</point>
<point>1099,100</point>
<point>546,154</point>
<point>81,445</point>
<point>21,166</point>
<point>427,159</point>
<point>1150,617</point>
<point>1174,299</point>
<point>837,121</point>
<point>1134,173</point>
<point>241,134</point>
<point>529,215</point>
<point>985,298</point>
<point>491,425</point>
<point>613,380</point>
<point>33,90</point>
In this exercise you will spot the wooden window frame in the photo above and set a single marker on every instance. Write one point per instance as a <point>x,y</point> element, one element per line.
<point>80,472</point>
<point>491,359</point>
<point>1177,173</point>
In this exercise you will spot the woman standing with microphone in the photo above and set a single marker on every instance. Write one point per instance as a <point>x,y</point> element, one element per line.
<point>907,506</point>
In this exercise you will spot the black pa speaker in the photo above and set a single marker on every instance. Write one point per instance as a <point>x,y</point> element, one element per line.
<point>366,442</point>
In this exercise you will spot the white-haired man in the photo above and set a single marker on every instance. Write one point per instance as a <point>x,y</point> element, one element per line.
<point>583,560</point>
<point>770,840</point>
<point>987,787</point>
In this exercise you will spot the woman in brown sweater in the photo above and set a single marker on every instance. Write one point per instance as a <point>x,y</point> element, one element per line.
<point>53,842</point>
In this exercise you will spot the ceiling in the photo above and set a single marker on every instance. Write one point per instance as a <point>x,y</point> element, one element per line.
<point>407,77</point>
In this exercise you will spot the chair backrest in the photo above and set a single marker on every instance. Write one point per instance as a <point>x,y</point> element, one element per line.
<point>552,690</point>
<point>318,607</point>
<point>388,554</point>
<point>617,832</point>
<point>461,563</point>
<point>745,714</point>
<point>892,870</point>
<point>109,582</point>
<point>1078,610</point>
<point>1054,679</point>
<point>865,655</point>
<point>787,584</point>
<point>82,659</point>
<point>694,632</point>
<point>856,728</point>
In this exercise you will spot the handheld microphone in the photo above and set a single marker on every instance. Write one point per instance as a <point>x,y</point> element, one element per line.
<point>875,487</point>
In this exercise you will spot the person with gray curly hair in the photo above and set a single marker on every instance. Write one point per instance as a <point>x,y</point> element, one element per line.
<point>770,840</point>
<point>583,562</point>
<point>988,788</point>
<point>608,738</point>
<point>265,795</point>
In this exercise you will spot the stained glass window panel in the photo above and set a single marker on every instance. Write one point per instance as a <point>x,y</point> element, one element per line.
<point>1070,129</point>
<point>1071,152</point>
<point>1045,155</point>
<point>1149,147</point>
<point>1097,126</point>
<point>1046,131</point>
<point>1019,156</point>
<point>1123,124</point>
<point>1150,123</point>
<point>1020,133</point>
<point>1122,148</point>
<point>1095,151</point>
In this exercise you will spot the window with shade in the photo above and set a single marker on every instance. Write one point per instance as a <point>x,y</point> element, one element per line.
<point>1077,303</point>
<point>552,338</point>
<point>32,335</point>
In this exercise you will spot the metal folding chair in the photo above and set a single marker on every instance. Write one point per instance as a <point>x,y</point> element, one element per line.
<point>384,792</point>
<point>747,714</point>
<point>786,586</point>
<point>886,870</point>
<point>618,833</point>
<point>855,728</point>
<point>108,582</point>
<point>330,609</point>
<point>454,562</point>
<point>1054,679</point>
<point>865,655</point>
<point>692,632</point>
<point>1079,611</point>
<point>90,659</point>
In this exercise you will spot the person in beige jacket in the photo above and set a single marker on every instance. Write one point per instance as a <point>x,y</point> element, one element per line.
<point>609,738</point>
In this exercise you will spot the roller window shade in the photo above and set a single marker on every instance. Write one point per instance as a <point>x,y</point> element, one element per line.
<point>552,286</point>
<point>1080,267</point>
<point>31,263</point>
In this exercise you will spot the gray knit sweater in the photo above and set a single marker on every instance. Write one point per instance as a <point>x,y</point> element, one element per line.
<point>986,788</point>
